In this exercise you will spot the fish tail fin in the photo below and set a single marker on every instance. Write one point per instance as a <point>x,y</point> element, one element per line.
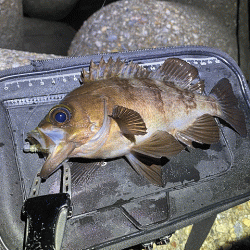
<point>223,92</point>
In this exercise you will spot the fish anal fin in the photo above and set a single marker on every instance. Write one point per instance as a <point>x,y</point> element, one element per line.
<point>129,121</point>
<point>177,71</point>
<point>152,173</point>
<point>158,145</point>
<point>203,130</point>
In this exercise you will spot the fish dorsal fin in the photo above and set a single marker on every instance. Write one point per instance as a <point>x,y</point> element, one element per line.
<point>129,121</point>
<point>204,130</point>
<point>112,69</point>
<point>198,87</point>
<point>152,173</point>
<point>177,71</point>
<point>158,145</point>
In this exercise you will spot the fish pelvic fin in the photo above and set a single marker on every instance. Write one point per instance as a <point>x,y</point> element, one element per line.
<point>177,71</point>
<point>129,121</point>
<point>158,145</point>
<point>113,69</point>
<point>152,173</point>
<point>231,114</point>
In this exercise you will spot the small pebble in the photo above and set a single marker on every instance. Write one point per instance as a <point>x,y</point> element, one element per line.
<point>141,24</point>
<point>246,222</point>
<point>221,228</point>
<point>238,229</point>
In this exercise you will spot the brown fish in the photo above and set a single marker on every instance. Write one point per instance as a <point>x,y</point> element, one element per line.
<point>126,110</point>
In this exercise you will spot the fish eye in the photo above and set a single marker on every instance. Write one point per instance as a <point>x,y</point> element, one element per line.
<point>59,115</point>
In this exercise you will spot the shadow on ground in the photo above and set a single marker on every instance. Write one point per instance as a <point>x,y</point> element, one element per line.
<point>238,245</point>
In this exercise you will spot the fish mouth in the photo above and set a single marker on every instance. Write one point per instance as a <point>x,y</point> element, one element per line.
<point>57,150</point>
<point>38,142</point>
<point>55,158</point>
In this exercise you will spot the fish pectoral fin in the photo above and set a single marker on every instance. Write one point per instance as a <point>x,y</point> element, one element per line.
<point>158,145</point>
<point>204,130</point>
<point>177,71</point>
<point>81,171</point>
<point>129,121</point>
<point>152,173</point>
<point>59,154</point>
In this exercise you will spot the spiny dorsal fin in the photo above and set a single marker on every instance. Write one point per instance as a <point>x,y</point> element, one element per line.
<point>177,71</point>
<point>129,121</point>
<point>198,87</point>
<point>112,69</point>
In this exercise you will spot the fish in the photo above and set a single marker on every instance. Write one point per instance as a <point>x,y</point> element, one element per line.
<point>126,110</point>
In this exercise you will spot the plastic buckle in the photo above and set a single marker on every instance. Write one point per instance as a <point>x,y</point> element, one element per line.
<point>46,215</point>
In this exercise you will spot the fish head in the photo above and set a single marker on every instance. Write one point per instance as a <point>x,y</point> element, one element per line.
<point>66,127</point>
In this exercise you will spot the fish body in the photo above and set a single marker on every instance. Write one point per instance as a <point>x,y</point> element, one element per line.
<point>125,110</point>
<point>168,109</point>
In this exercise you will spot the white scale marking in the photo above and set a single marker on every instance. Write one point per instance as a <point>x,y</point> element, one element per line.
<point>41,80</point>
<point>196,61</point>
<point>33,100</point>
<point>59,97</point>
<point>153,66</point>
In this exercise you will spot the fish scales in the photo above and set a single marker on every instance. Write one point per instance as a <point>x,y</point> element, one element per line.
<point>134,94</point>
<point>125,110</point>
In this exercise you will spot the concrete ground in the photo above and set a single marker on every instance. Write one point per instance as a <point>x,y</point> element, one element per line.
<point>50,37</point>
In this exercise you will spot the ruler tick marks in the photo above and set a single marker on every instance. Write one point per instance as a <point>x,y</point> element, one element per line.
<point>40,81</point>
<point>33,100</point>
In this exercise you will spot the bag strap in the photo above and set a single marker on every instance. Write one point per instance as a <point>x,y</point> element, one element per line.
<point>199,233</point>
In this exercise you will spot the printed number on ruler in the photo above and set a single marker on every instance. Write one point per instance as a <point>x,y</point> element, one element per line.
<point>33,82</point>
